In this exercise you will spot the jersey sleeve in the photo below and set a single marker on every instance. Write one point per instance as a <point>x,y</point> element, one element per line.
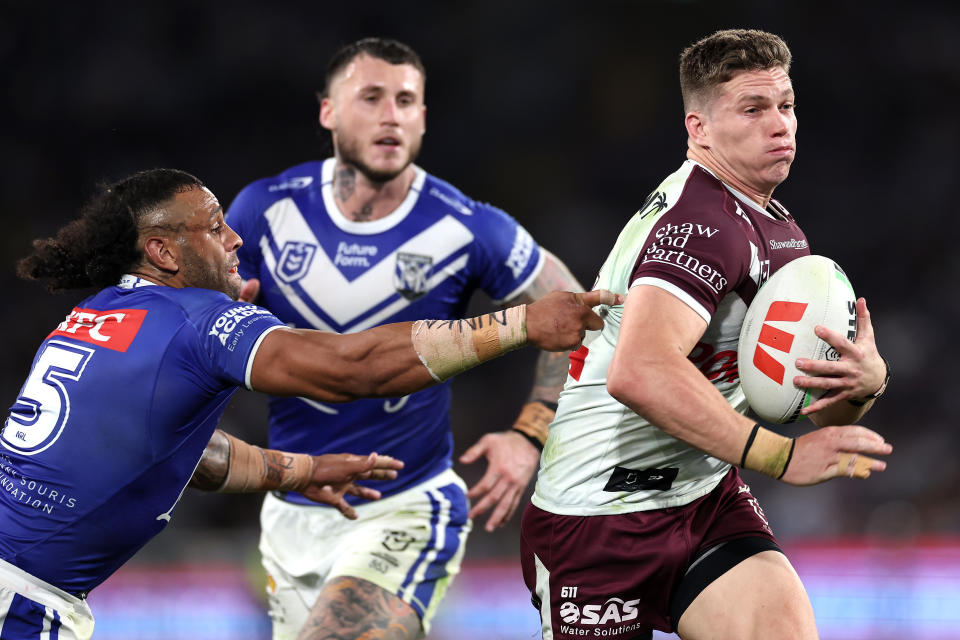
<point>507,257</point>
<point>245,216</point>
<point>697,255</point>
<point>230,334</point>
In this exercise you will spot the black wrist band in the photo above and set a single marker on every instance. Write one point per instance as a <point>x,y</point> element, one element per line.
<point>533,441</point>
<point>793,445</point>
<point>746,448</point>
<point>549,405</point>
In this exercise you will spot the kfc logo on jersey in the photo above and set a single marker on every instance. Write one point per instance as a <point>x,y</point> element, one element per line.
<point>778,339</point>
<point>114,329</point>
<point>295,259</point>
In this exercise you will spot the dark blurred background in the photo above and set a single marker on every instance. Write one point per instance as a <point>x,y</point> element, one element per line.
<point>565,114</point>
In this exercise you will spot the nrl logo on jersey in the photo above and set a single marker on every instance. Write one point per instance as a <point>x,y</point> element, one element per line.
<point>295,259</point>
<point>410,276</point>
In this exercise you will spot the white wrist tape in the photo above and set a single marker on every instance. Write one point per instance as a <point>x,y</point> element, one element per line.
<point>449,347</point>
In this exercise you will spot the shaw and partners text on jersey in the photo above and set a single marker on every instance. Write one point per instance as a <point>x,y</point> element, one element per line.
<point>671,239</point>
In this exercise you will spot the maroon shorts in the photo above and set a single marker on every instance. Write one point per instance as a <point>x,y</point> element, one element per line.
<point>615,576</point>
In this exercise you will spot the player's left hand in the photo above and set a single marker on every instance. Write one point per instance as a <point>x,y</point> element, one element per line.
<point>249,290</point>
<point>511,461</point>
<point>859,372</point>
<point>334,475</point>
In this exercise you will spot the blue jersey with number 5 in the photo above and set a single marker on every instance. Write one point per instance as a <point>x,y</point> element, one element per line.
<point>111,422</point>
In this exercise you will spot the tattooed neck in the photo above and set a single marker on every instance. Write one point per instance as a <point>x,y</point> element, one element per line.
<point>345,183</point>
<point>345,186</point>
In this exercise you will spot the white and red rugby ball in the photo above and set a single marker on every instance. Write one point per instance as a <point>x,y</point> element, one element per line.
<point>778,329</point>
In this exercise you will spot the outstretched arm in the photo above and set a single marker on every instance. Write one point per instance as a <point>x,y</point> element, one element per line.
<point>230,465</point>
<point>397,359</point>
<point>513,455</point>
<point>651,374</point>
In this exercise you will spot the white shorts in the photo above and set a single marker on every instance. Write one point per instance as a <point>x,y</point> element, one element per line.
<point>410,544</point>
<point>31,609</point>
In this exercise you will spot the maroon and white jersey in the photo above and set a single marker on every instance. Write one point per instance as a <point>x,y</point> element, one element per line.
<point>712,247</point>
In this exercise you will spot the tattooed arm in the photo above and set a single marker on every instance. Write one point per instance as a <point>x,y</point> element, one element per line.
<point>513,455</point>
<point>231,465</point>
<point>393,359</point>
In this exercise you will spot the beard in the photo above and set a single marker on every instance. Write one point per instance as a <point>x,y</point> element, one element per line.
<point>198,273</point>
<point>349,151</point>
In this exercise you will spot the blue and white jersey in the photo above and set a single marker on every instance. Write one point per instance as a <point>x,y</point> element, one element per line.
<point>320,270</point>
<point>111,422</point>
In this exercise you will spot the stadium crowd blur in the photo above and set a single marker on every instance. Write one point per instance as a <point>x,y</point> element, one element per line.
<point>561,113</point>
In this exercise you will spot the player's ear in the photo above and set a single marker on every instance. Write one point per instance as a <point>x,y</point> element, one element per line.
<point>326,114</point>
<point>697,128</point>
<point>162,253</point>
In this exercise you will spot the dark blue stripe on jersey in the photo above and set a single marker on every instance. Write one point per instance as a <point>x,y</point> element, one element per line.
<point>55,626</point>
<point>391,299</point>
<point>434,517</point>
<point>24,619</point>
<point>451,542</point>
<point>309,302</point>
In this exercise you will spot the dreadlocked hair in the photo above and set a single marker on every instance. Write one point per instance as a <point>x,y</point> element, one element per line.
<point>97,248</point>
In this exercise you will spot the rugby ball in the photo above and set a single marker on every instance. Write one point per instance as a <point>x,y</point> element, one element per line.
<point>778,329</point>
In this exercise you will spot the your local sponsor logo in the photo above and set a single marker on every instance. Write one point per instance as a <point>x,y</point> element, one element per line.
<point>521,252</point>
<point>354,255</point>
<point>668,248</point>
<point>792,243</point>
<point>228,322</point>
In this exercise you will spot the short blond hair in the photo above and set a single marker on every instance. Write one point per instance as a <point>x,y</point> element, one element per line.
<point>713,60</point>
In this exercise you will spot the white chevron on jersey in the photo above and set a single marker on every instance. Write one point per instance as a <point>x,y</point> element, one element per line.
<point>331,291</point>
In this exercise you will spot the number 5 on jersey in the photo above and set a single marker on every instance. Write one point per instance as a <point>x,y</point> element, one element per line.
<point>41,412</point>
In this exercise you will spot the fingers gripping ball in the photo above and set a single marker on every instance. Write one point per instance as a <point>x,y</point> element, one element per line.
<point>778,329</point>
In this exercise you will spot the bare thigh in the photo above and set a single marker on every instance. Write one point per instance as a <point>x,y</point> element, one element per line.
<point>353,609</point>
<point>760,598</point>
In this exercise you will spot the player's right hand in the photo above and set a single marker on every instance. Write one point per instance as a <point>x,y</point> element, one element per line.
<point>249,290</point>
<point>334,475</point>
<point>559,320</point>
<point>834,452</point>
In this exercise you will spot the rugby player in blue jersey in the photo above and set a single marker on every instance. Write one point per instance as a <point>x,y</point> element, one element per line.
<point>124,395</point>
<point>360,239</point>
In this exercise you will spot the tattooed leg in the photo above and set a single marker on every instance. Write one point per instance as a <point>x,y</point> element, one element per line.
<point>353,609</point>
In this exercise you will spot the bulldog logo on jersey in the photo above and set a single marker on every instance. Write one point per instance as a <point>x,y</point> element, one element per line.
<point>295,259</point>
<point>410,277</point>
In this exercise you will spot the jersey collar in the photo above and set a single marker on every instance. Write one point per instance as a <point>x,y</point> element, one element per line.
<point>132,282</point>
<point>380,225</point>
